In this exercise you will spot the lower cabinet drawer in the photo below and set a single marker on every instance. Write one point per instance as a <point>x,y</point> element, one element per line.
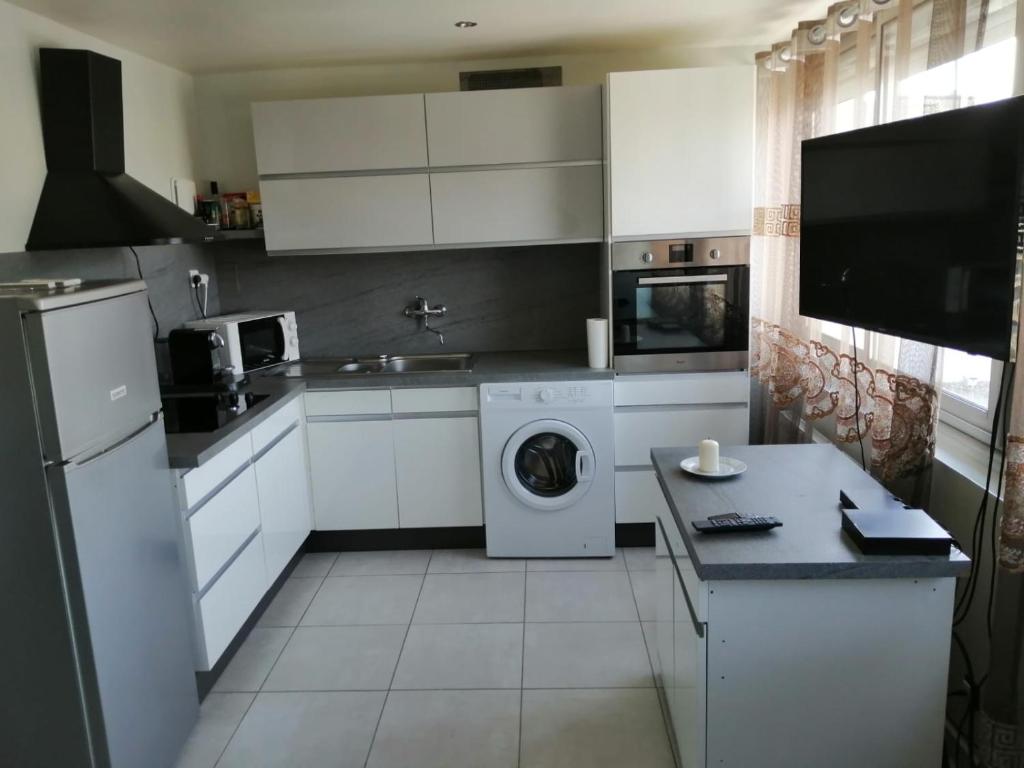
<point>638,497</point>
<point>638,430</point>
<point>219,527</point>
<point>227,604</point>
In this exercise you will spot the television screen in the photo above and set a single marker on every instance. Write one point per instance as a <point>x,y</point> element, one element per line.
<point>911,228</point>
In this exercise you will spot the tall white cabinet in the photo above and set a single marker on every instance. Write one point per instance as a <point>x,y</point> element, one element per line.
<point>680,152</point>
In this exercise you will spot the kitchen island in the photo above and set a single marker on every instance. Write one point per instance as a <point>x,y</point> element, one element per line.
<point>790,647</point>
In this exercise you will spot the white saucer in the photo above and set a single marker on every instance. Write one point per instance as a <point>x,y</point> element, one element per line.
<point>726,467</point>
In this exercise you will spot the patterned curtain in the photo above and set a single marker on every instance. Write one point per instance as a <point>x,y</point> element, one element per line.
<point>868,62</point>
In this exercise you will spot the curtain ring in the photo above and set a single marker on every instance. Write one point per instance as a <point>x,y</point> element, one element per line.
<point>847,16</point>
<point>786,53</point>
<point>817,35</point>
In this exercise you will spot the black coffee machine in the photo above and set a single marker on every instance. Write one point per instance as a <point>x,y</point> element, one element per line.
<point>205,395</point>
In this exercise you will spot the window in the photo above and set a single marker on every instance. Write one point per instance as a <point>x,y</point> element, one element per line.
<point>970,385</point>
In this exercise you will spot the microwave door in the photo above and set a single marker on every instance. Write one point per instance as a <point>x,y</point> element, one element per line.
<point>261,342</point>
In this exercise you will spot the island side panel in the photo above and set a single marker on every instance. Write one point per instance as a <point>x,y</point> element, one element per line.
<point>837,672</point>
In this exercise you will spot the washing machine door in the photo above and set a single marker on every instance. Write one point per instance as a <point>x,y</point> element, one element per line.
<point>548,464</point>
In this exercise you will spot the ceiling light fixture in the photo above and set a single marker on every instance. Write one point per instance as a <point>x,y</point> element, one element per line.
<point>465,24</point>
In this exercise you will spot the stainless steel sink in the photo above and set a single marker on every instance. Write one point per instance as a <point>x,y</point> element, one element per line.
<point>457,363</point>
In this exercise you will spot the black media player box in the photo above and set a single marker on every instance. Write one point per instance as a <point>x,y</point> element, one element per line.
<point>896,532</point>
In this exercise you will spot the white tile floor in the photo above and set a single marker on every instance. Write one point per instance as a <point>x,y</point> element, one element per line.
<point>443,659</point>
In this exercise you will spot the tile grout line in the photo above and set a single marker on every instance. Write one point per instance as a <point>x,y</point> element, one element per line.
<point>323,580</point>
<point>398,659</point>
<point>522,671</point>
<point>640,623</point>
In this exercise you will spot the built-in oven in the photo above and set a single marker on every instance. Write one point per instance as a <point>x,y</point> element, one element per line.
<point>681,305</point>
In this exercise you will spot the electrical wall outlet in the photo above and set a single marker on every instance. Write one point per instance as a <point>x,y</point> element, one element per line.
<point>204,279</point>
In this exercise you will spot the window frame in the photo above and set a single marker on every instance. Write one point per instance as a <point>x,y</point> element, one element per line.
<point>965,416</point>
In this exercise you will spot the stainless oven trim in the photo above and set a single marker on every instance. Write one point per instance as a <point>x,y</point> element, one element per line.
<point>683,362</point>
<point>683,279</point>
<point>644,255</point>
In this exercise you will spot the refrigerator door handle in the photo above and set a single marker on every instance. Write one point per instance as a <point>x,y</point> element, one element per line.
<point>81,462</point>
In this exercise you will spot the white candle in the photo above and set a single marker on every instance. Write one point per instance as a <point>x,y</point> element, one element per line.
<point>708,460</point>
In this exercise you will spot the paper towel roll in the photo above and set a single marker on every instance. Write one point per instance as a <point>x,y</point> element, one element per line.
<point>597,342</point>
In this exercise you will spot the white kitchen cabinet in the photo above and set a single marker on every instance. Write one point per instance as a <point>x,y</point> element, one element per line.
<point>437,464</point>
<point>218,528</point>
<point>342,134</point>
<point>285,510</point>
<point>638,497</point>
<point>638,430</point>
<point>518,205</point>
<point>521,125</point>
<point>334,213</point>
<point>352,466</point>
<point>680,151</point>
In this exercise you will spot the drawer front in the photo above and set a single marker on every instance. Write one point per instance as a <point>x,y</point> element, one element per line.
<point>636,432</point>
<point>219,527</point>
<point>437,400</point>
<point>518,204</point>
<point>229,602</point>
<point>201,481</point>
<point>358,402</point>
<point>638,497</point>
<point>271,429</point>
<point>683,389</point>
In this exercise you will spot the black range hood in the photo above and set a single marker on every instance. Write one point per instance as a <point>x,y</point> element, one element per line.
<point>88,201</point>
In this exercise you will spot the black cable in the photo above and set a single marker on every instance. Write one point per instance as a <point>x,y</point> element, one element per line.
<point>156,323</point>
<point>972,696</point>
<point>1006,376</point>
<point>856,400</point>
<point>964,603</point>
<point>199,302</point>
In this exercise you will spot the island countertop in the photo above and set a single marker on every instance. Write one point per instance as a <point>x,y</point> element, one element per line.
<point>798,484</point>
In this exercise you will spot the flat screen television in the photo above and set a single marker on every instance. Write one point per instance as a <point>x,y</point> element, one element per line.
<point>913,228</point>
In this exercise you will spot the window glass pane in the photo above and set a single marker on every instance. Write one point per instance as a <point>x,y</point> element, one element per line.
<point>966,377</point>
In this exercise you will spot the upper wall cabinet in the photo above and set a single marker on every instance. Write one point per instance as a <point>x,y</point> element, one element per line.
<point>362,133</point>
<point>680,152</point>
<point>524,125</point>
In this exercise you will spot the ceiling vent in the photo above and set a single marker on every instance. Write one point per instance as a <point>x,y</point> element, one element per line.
<point>497,79</point>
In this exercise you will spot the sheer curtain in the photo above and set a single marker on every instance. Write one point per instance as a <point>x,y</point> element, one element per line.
<point>865,62</point>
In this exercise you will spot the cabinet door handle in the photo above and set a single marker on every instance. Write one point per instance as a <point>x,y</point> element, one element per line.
<point>698,626</point>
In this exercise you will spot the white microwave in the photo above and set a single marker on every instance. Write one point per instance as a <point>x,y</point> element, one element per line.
<point>253,340</point>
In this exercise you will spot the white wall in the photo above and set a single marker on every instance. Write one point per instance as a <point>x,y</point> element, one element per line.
<point>158,115</point>
<point>226,151</point>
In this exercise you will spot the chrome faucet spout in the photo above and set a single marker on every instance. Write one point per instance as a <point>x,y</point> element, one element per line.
<point>421,311</point>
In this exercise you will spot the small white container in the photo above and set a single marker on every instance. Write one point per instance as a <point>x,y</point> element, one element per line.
<point>597,342</point>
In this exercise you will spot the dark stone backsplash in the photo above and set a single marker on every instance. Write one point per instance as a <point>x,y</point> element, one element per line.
<point>510,298</point>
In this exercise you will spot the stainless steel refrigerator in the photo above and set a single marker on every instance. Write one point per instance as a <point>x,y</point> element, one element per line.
<point>96,665</point>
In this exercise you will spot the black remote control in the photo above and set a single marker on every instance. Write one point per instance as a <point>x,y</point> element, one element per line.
<point>736,524</point>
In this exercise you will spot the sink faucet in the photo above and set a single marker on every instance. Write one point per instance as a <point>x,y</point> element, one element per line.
<point>422,311</point>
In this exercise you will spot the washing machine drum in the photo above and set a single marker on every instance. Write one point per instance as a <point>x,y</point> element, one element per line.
<point>548,464</point>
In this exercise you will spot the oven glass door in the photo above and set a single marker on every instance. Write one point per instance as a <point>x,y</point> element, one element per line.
<point>262,342</point>
<point>680,310</point>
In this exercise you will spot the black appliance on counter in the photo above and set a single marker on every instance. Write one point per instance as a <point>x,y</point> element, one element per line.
<point>681,305</point>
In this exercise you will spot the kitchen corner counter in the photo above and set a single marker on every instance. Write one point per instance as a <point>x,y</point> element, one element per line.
<point>798,484</point>
<point>191,449</point>
<point>488,367</point>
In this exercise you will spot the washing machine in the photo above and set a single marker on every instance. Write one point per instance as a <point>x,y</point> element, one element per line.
<point>547,457</point>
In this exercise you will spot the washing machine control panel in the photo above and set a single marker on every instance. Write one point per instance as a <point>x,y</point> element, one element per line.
<point>543,394</point>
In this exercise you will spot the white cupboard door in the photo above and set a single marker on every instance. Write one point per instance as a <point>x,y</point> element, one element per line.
<point>665,578</point>
<point>438,469</point>
<point>521,125</point>
<point>347,134</point>
<point>523,204</point>
<point>689,689</point>
<point>681,147</point>
<point>638,497</point>
<point>347,212</point>
<point>637,430</point>
<point>353,471</point>
<point>285,514</point>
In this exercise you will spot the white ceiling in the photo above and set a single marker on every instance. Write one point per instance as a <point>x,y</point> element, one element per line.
<point>219,35</point>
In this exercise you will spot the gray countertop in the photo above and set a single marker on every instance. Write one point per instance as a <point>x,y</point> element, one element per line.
<point>565,365</point>
<point>798,484</point>
<point>191,449</point>
<point>286,382</point>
